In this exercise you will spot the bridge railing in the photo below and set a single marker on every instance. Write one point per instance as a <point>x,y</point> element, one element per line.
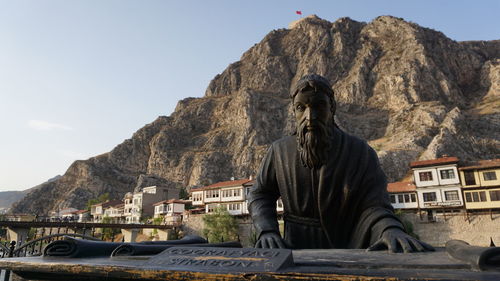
<point>35,247</point>
<point>32,248</point>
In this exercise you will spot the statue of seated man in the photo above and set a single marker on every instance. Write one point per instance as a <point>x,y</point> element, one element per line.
<point>333,189</point>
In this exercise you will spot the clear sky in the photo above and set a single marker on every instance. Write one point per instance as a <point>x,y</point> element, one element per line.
<point>79,77</point>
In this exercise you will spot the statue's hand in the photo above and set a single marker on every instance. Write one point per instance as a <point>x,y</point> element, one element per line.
<point>395,240</point>
<point>270,240</point>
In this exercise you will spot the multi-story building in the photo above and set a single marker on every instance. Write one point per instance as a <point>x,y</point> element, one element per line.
<point>115,213</point>
<point>141,204</point>
<point>171,210</point>
<point>438,184</point>
<point>128,205</point>
<point>403,195</point>
<point>82,215</point>
<point>229,194</point>
<point>19,217</point>
<point>232,195</point>
<point>68,214</point>
<point>481,185</point>
<point>97,210</point>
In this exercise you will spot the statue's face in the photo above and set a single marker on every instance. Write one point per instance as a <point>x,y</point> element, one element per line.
<point>312,109</point>
<point>314,123</point>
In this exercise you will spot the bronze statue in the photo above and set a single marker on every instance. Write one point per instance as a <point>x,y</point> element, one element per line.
<point>331,183</point>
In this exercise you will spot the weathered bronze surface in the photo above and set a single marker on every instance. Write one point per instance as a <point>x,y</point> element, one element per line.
<point>331,183</point>
<point>223,259</point>
<point>329,264</point>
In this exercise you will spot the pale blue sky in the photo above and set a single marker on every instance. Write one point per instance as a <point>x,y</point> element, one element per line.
<point>79,77</point>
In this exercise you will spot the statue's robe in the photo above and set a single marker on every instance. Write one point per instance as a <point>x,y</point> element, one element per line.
<point>343,204</point>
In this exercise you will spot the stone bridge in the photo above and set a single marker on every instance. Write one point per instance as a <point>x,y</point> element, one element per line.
<point>18,230</point>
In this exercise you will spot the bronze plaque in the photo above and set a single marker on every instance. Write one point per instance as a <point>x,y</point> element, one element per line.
<point>212,259</point>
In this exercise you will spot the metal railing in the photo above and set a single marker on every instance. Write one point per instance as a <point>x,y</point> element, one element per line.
<point>32,248</point>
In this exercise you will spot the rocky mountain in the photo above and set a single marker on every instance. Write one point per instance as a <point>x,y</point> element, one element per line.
<point>8,198</point>
<point>410,91</point>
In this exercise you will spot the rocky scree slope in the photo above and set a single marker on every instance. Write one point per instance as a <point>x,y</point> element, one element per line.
<point>410,91</point>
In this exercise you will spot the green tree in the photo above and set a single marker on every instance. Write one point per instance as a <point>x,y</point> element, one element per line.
<point>158,220</point>
<point>220,226</point>
<point>108,233</point>
<point>183,194</point>
<point>101,199</point>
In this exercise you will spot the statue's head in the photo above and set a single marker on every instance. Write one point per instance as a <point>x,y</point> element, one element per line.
<point>314,108</point>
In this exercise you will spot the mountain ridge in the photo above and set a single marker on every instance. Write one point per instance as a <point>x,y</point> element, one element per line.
<point>410,91</point>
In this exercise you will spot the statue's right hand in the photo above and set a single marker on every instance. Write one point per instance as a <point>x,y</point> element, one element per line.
<point>270,240</point>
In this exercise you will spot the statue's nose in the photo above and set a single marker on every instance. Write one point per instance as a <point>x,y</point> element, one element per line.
<point>310,114</point>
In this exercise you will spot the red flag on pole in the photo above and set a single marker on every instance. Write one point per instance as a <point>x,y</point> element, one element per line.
<point>298,12</point>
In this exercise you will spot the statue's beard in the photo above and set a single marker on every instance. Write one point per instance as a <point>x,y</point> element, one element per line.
<point>314,145</point>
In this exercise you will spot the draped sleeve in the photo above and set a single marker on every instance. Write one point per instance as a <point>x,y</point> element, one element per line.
<point>377,214</point>
<point>263,195</point>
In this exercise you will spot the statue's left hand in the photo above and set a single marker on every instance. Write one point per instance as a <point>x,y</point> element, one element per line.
<point>395,240</point>
<point>270,240</point>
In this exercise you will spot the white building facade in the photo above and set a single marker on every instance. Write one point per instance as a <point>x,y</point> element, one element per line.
<point>438,184</point>
<point>171,210</point>
<point>232,195</point>
<point>115,213</point>
<point>140,205</point>
<point>403,195</point>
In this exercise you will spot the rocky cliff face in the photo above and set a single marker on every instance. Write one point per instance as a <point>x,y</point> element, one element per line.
<point>410,91</point>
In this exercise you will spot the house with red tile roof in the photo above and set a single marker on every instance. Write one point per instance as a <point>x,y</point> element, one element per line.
<point>481,184</point>
<point>403,195</point>
<point>438,184</point>
<point>229,194</point>
<point>82,215</point>
<point>170,210</point>
<point>97,210</point>
<point>139,205</point>
<point>115,213</point>
<point>232,195</point>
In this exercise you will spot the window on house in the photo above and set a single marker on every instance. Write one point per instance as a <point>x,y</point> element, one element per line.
<point>468,197</point>
<point>469,178</point>
<point>489,176</point>
<point>212,194</point>
<point>425,176</point>
<point>197,196</point>
<point>393,199</point>
<point>429,196</point>
<point>495,195</point>
<point>447,174</point>
<point>475,196</point>
<point>413,197</point>
<point>482,196</point>
<point>400,198</point>
<point>451,195</point>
